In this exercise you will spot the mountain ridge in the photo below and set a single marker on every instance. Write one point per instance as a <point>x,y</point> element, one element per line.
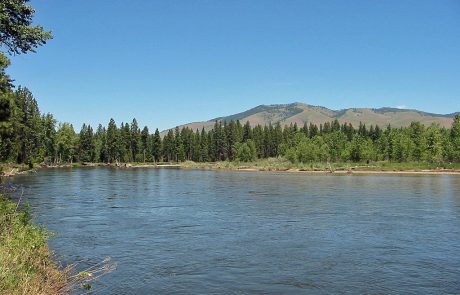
<point>301,113</point>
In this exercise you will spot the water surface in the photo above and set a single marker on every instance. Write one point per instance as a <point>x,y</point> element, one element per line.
<point>194,232</point>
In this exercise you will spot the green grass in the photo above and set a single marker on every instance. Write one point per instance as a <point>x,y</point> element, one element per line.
<point>281,164</point>
<point>26,263</point>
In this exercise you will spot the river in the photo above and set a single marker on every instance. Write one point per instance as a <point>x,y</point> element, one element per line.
<point>214,232</point>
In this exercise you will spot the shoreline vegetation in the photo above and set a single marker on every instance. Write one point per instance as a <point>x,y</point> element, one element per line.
<point>26,263</point>
<point>28,266</point>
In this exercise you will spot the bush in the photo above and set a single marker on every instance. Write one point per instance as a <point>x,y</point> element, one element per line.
<point>245,152</point>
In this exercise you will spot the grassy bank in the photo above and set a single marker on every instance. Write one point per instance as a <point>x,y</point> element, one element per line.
<point>26,264</point>
<point>280,164</point>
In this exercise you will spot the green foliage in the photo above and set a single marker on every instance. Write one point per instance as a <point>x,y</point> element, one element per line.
<point>112,144</point>
<point>17,33</point>
<point>455,139</point>
<point>156,146</point>
<point>21,134</point>
<point>35,138</point>
<point>86,144</point>
<point>434,146</point>
<point>66,143</point>
<point>245,152</point>
<point>363,150</point>
<point>26,265</point>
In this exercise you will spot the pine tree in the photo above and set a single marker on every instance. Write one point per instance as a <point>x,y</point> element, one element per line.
<point>144,145</point>
<point>169,146</point>
<point>86,144</point>
<point>113,146</point>
<point>277,138</point>
<point>247,132</point>
<point>26,122</point>
<point>135,142</point>
<point>258,139</point>
<point>313,130</point>
<point>101,144</point>
<point>48,136</point>
<point>204,146</point>
<point>156,146</point>
<point>218,142</point>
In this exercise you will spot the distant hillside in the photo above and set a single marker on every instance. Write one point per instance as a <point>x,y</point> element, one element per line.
<point>300,113</point>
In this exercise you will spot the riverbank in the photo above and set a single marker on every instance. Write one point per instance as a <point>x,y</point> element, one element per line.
<point>281,165</point>
<point>8,170</point>
<point>26,262</point>
<point>28,266</point>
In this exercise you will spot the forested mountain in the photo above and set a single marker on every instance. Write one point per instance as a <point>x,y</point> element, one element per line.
<point>301,113</point>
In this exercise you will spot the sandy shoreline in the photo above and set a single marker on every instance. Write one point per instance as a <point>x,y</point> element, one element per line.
<point>353,171</point>
<point>213,166</point>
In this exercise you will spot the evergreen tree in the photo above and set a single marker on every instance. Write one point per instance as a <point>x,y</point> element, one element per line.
<point>156,146</point>
<point>86,144</point>
<point>204,146</point>
<point>135,142</point>
<point>26,125</point>
<point>101,144</point>
<point>455,138</point>
<point>247,132</point>
<point>113,147</point>
<point>48,136</point>
<point>313,130</point>
<point>304,129</point>
<point>169,146</point>
<point>144,145</point>
<point>218,142</point>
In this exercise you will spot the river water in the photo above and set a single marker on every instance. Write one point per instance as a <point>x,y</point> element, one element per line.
<point>210,232</point>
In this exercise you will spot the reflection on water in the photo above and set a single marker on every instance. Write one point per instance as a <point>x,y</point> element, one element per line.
<point>176,231</point>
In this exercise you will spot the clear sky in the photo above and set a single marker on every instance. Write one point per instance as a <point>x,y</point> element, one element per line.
<point>172,62</point>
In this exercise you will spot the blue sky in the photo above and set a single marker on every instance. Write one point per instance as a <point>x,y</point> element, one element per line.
<point>172,62</point>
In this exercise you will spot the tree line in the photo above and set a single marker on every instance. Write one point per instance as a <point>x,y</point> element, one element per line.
<point>31,137</point>
<point>27,136</point>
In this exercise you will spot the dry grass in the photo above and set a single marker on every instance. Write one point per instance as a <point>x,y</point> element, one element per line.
<point>282,164</point>
<point>26,263</point>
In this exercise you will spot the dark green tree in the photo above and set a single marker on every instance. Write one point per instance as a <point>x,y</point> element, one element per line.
<point>135,142</point>
<point>17,32</point>
<point>455,138</point>
<point>156,146</point>
<point>144,145</point>
<point>112,142</point>
<point>86,144</point>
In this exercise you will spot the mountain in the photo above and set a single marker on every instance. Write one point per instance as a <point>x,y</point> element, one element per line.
<point>300,113</point>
